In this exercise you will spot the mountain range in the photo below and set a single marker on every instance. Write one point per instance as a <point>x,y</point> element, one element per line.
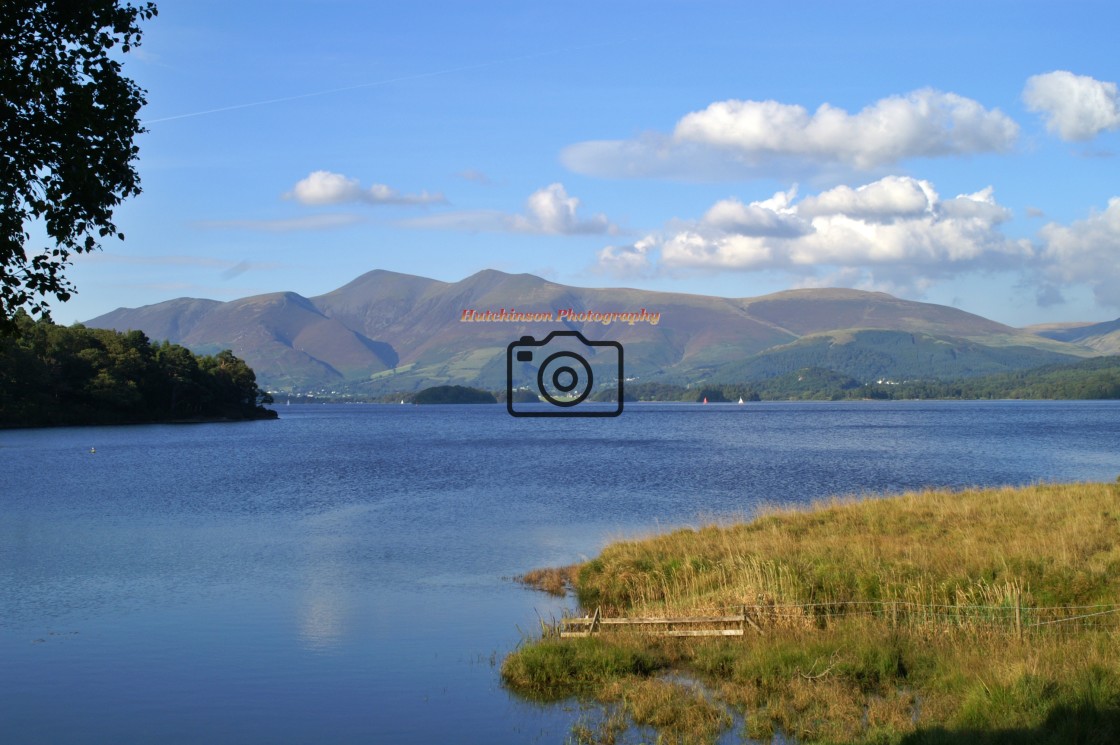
<point>388,332</point>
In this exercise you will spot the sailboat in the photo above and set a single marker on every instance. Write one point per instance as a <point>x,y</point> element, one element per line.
<point>740,399</point>
<point>705,399</point>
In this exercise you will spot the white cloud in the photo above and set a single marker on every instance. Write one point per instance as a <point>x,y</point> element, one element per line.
<point>627,261</point>
<point>1085,252</point>
<point>767,137</point>
<point>1075,107</point>
<point>696,250</point>
<point>324,187</point>
<point>549,211</point>
<point>980,206</point>
<point>894,232</point>
<point>951,236</point>
<point>894,235</point>
<point>923,123</point>
<point>771,217</point>
<point>886,200</point>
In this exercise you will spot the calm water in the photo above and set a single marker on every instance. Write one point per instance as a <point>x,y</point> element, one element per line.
<point>339,575</point>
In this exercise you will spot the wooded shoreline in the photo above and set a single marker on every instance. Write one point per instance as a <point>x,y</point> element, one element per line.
<point>54,375</point>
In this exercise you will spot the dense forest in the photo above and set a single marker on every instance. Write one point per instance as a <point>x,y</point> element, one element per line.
<point>1094,378</point>
<point>65,375</point>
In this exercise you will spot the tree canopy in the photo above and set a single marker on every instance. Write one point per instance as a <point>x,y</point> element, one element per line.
<point>53,375</point>
<point>453,394</point>
<point>68,120</point>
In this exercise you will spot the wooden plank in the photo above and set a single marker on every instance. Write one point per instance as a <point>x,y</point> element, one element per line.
<point>587,620</point>
<point>684,619</point>
<point>588,625</point>
<point>667,632</point>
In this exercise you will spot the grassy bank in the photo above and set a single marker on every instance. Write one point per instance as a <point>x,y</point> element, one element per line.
<point>933,617</point>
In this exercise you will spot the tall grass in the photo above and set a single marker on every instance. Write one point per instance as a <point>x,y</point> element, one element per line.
<point>907,639</point>
<point>553,580</point>
<point>1047,545</point>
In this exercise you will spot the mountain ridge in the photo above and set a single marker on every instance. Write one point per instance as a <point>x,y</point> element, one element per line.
<point>386,331</point>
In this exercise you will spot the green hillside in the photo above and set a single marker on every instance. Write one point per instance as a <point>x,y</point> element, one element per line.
<point>874,355</point>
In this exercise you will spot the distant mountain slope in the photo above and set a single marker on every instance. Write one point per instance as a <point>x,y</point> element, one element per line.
<point>814,311</point>
<point>172,319</point>
<point>282,336</point>
<point>386,331</point>
<point>879,355</point>
<point>1103,337</point>
<point>378,300</point>
<point>423,321</point>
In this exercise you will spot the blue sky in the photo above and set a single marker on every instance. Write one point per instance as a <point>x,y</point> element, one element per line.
<point>958,153</point>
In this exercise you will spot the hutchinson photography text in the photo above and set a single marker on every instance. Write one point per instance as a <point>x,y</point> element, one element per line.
<point>571,315</point>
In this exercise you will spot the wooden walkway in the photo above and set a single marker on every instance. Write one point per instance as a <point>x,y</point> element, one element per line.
<point>662,626</point>
<point>1012,617</point>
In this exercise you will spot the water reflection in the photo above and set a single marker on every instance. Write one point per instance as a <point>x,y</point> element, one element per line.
<point>324,581</point>
<point>322,614</point>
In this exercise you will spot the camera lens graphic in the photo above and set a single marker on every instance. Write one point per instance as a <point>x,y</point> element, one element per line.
<point>569,379</point>
<point>569,373</point>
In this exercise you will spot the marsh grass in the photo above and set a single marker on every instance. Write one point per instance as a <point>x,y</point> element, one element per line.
<point>553,669</point>
<point>936,658</point>
<point>553,580</point>
<point>679,713</point>
<point>1055,544</point>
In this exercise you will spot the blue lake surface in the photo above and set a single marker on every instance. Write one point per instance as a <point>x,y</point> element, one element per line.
<point>342,575</point>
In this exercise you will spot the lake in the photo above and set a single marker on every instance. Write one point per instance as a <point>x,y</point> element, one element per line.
<point>342,574</point>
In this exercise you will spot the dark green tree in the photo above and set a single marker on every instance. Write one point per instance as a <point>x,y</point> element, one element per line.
<point>183,393</point>
<point>51,375</point>
<point>68,119</point>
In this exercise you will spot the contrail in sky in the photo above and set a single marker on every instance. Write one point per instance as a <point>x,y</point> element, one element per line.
<point>389,81</point>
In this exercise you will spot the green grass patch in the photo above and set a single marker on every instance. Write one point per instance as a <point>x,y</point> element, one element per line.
<point>553,669</point>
